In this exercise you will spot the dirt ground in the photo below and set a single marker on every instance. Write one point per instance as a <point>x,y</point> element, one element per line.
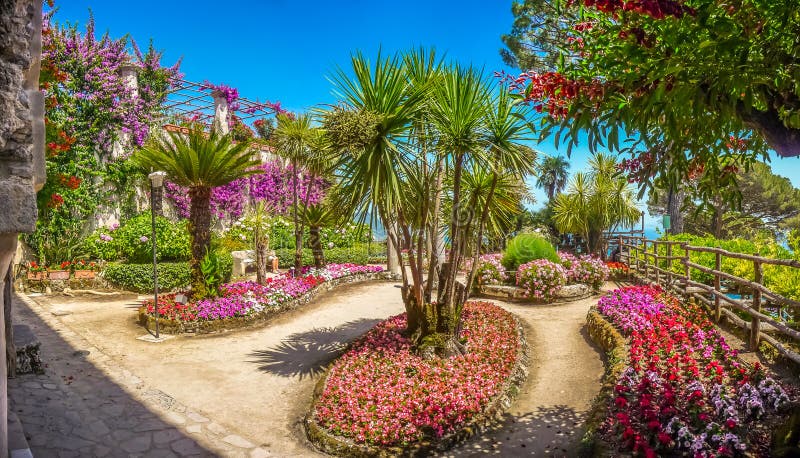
<point>258,382</point>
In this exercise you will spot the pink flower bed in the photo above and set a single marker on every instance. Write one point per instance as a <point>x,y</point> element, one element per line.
<point>245,298</point>
<point>380,393</point>
<point>542,279</point>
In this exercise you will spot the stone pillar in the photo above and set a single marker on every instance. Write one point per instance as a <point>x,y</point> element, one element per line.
<point>393,259</point>
<point>220,123</point>
<point>129,74</point>
<point>22,164</point>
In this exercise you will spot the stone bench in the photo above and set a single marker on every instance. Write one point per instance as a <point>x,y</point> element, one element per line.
<point>247,258</point>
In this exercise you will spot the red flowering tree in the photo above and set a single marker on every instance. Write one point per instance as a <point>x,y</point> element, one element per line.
<point>685,75</point>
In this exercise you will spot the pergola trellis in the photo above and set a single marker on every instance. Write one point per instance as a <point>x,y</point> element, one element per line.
<point>195,101</point>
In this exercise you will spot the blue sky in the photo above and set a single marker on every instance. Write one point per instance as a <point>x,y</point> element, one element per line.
<point>283,50</point>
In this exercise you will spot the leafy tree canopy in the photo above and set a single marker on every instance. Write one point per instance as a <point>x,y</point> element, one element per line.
<point>696,77</point>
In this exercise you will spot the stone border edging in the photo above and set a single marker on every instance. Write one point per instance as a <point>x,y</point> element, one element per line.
<point>606,336</point>
<point>229,324</point>
<point>329,443</point>
<point>482,293</point>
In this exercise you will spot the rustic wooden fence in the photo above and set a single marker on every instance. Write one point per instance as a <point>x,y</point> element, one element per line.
<point>654,265</point>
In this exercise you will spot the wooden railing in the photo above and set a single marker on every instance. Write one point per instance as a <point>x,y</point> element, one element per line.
<point>672,268</point>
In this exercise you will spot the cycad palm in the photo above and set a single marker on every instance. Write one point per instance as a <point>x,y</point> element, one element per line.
<point>553,175</point>
<point>199,161</point>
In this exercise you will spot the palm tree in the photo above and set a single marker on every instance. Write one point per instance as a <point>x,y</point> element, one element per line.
<point>199,161</point>
<point>292,138</point>
<point>315,217</point>
<point>553,175</point>
<point>595,202</point>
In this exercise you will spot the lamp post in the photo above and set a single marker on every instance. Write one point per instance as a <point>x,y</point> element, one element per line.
<point>156,182</point>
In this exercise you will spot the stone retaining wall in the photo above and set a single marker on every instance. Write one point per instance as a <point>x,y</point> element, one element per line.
<point>512,293</point>
<point>342,446</point>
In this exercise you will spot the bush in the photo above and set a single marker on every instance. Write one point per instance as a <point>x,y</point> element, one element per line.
<point>527,247</point>
<point>131,241</point>
<point>171,275</point>
<point>489,271</point>
<point>586,269</point>
<point>541,279</point>
<point>357,254</point>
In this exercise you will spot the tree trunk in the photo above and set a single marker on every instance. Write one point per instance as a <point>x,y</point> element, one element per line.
<point>8,298</point>
<point>262,246</point>
<point>481,227</point>
<point>593,241</point>
<point>200,229</point>
<point>316,246</point>
<point>436,257</point>
<point>717,222</point>
<point>298,231</point>
<point>674,203</point>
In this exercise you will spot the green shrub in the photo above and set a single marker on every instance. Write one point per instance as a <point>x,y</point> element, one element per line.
<point>139,277</point>
<point>171,275</point>
<point>527,247</point>
<point>131,241</point>
<point>359,253</point>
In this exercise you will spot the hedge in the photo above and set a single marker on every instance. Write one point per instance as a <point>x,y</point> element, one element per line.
<point>171,275</point>
<point>355,255</point>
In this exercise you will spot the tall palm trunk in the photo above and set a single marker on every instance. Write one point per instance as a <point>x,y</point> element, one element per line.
<point>435,236</point>
<point>316,246</point>
<point>200,228</point>
<point>298,231</point>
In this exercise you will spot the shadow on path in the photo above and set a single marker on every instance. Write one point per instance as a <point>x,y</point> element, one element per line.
<point>548,431</point>
<point>308,353</point>
<point>76,409</point>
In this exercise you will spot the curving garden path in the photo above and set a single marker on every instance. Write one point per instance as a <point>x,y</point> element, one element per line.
<point>245,393</point>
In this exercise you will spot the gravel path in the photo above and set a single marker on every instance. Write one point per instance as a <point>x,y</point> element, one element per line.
<point>245,393</point>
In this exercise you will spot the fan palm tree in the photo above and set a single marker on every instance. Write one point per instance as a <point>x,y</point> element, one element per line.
<point>199,161</point>
<point>293,137</point>
<point>595,202</point>
<point>553,175</point>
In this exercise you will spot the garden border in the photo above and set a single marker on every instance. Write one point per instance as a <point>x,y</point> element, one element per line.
<point>482,293</point>
<point>329,443</point>
<point>229,324</point>
<point>606,336</point>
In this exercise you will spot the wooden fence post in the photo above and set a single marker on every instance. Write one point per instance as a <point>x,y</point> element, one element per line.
<point>669,264</point>
<point>656,263</point>
<point>717,307</point>
<point>755,323</point>
<point>686,271</point>
<point>646,262</point>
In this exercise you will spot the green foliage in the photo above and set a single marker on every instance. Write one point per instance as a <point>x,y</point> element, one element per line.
<point>527,247</point>
<point>171,275</point>
<point>132,241</point>
<point>139,277</point>
<point>211,268</point>
<point>357,254</point>
<point>733,65</point>
<point>782,280</point>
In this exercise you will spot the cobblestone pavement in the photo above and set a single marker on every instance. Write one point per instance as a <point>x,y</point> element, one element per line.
<point>86,405</point>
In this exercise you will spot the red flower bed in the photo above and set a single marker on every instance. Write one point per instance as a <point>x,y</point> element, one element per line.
<point>380,393</point>
<point>684,392</point>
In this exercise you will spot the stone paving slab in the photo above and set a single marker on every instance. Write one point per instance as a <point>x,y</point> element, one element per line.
<point>86,405</point>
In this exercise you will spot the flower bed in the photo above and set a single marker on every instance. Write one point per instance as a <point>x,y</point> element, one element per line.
<point>379,396</point>
<point>541,279</point>
<point>489,270</point>
<point>618,270</point>
<point>684,391</point>
<point>245,302</point>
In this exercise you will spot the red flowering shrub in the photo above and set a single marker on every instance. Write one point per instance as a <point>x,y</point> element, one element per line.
<point>381,393</point>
